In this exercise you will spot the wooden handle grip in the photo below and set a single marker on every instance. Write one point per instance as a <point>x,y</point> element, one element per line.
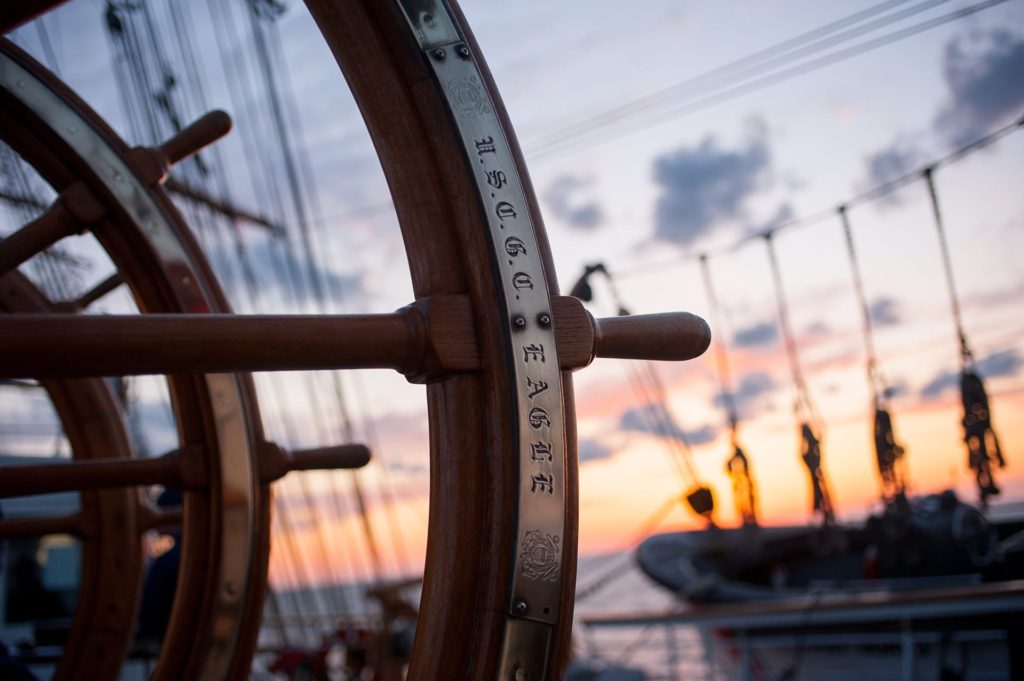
<point>671,336</point>
<point>330,458</point>
<point>205,131</point>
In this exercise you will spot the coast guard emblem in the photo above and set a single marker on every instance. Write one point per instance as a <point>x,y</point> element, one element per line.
<point>539,556</point>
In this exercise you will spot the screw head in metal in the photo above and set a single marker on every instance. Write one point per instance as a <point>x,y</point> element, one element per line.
<point>519,607</point>
<point>440,54</point>
<point>519,321</point>
<point>544,319</point>
<point>462,51</point>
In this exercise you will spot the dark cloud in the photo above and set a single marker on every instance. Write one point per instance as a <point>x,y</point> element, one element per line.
<point>703,185</point>
<point>884,312</point>
<point>902,158</point>
<point>652,419</point>
<point>563,198</point>
<point>1002,363</point>
<point>594,450</point>
<point>752,387</point>
<point>985,77</point>
<point>762,333</point>
<point>783,214</point>
<point>896,389</point>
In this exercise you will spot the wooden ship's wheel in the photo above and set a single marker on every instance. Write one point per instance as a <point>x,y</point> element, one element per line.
<point>487,334</point>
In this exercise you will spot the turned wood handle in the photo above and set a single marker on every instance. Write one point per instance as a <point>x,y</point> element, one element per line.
<point>205,131</point>
<point>329,458</point>
<point>671,336</point>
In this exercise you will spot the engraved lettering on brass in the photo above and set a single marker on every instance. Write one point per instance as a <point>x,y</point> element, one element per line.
<point>467,97</point>
<point>484,145</point>
<point>523,295</point>
<point>539,418</point>
<point>521,280</point>
<point>542,483</point>
<point>514,246</point>
<point>538,557</point>
<point>533,352</point>
<point>496,178</point>
<point>540,451</point>
<point>536,387</point>
<point>505,210</point>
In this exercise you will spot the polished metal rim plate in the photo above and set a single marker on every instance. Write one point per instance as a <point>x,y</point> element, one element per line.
<point>530,341</point>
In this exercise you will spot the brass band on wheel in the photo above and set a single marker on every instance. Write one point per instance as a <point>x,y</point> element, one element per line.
<point>533,605</point>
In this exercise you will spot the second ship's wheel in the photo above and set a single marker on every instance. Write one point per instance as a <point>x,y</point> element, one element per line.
<point>487,334</point>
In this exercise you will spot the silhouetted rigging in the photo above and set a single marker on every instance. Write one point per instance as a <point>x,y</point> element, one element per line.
<point>888,453</point>
<point>810,424</point>
<point>737,466</point>
<point>983,449</point>
<point>650,391</point>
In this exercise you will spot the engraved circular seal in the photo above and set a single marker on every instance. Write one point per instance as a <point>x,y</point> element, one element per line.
<point>467,97</point>
<point>538,556</point>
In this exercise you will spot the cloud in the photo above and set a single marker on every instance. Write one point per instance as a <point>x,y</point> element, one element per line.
<point>1003,363</point>
<point>901,158</point>
<point>563,200</point>
<point>784,214</point>
<point>703,185</point>
<point>652,419</point>
<point>594,450</point>
<point>752,387</point>
<point>983,74</point>
<point>762,333</point>
<point>897,388</point>
<point>884,312</point>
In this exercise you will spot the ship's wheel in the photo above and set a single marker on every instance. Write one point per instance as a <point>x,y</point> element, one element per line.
<point>487,334</point>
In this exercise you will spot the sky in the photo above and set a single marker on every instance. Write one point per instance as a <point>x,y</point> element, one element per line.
<point>653,133</point>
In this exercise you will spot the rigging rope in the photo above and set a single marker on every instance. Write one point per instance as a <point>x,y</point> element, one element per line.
<point>652,394</point>
<point>803,407</point>
<point>983,448</point>
<point>889,455</point>
<point>737,466</point>
<point>966,357</point>
<point>878,387</point>
<point>615,571</point>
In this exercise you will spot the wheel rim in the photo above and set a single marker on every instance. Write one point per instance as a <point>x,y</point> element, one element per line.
<point>496,603</point>
<point>467,628</point>
<point>104,616</point>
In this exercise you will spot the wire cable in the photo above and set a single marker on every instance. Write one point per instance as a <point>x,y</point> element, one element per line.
<point>781,75</point>
<point>821,215</point>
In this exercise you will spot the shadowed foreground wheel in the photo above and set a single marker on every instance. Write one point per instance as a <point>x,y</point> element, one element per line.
<point>487,334</point>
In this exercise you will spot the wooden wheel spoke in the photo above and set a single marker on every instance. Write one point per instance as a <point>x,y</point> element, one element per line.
<point>181,468</point>
<point>157,518</point>
<point>276,462</point>
<point>426,341</point>
<point>17,528</point>
<point>73,211</point>
<point>101,289</point>
<point>152,164</point>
